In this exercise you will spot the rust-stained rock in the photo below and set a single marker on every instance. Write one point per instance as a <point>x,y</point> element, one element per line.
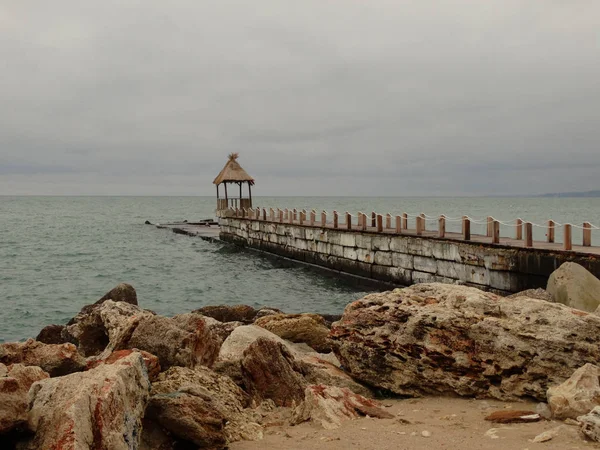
<point>329,406</point>
<point>576,396</point>
<point>15,381</point>
<point>270,371</point>
<point>203,407</point>
<point>448,339</point>
<point>513,416</point>
<point>100,408</point>
<point>319,371</point>
<point>56,359</point>
<point>151,361</point>
<point>308,328</point>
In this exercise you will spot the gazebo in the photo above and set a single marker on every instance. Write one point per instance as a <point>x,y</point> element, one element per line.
<point>233,173</point>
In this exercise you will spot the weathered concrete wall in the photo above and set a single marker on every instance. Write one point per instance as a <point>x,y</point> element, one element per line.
<point>403,259</point>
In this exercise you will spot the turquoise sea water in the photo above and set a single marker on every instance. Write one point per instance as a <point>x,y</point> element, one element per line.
<point>58,254</point>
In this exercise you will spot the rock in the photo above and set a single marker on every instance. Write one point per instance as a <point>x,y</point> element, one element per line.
<point>330,318</point>
<point>574,286</point>
<point>319,371</point>
<point>539,294</point>
<point>562,431</point>
<point>576,396</point>
<point>270,371</point>
<point>121,293</point>
<point>266,311</point>
<point>52,334</point>
<point>154,437</point>
<point>221,329</point>
<point>15,381</point>
<point>590,424</point>
<point>426,433</point>
<point>329,406</point>
<point>202,407</point>
<point>448,339</point>
<point>543,410</point>
<point>240,339</point>
<point>100,408</point>
<point>147,222</point>
<point>56,359</point>
<point>308,328</point>
<point>513,416</point>
<point>150,361</point>
<point>226,313</point>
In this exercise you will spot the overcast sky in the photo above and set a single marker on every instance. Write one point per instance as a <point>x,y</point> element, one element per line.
<point>319,97</point>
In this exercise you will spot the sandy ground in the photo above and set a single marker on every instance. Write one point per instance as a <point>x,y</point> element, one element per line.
<point>450,423</point>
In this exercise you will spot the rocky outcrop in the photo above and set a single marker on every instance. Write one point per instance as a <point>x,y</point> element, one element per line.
<point>270,371</point>
<point>329,406</point>
<point>308,328</point>
<point>574,286</point>
<point>576,396</point>
<point>100,408</point>
<point>539,294</point>
<point>15,381</point>
<point>438,339</point>
<point>202,407</point>
<point>590,424</point>
<point>56,359</point>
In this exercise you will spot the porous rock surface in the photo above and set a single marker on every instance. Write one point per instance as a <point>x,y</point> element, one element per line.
<point>448,339</point>
<point>15,381</point>
<point>56,359</point>
<point>573,285</point>
<point>576,396</point>
<point>100,408</point>
<point>308,328</point>
<point>590,424</point>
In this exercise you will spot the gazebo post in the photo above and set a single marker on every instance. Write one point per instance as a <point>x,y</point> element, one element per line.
<point>226,199</point>
<point>240,183</point>
<point>250,193</point>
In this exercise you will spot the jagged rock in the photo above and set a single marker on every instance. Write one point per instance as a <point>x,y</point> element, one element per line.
<point>330,318</point>
<point>52,334</point>
<point>590,424</point>
<point>202,407</point>
<point>329,406</point>
<point>123,292</point>
<point>227,313</point>
<point>576,396</point>
<point>540,294</point>
<point>270,371</point>
<point>266,311</point>
<point>543,410</point>
<point>308,328</point>
<point>152,363</point>
<point>100,408</point>
<point>319,371</point>
<point>221,329</point>
<point>56,359</point>
<point>15,381</point>
<point>513,416</point>
<point>563,431</point>
<point>574,286</point>
<point>438,338</point>
<point>154,437</point>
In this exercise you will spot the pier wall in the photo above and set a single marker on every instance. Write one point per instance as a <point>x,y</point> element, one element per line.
<point>404,259</point>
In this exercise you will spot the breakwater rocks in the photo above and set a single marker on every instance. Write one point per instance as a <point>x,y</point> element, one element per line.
<point>118,376</point>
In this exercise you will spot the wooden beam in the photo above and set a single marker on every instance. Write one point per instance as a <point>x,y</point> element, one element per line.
<point>442,226</point>
<point>519,230</point>
<point>528,234</point>
<point>495,232</point>
<point>335,219</point>
<point>379,223</point>
<point>587,234</point>
<point>466,228</point>
<point>398,224</point>
<point>568,237</point>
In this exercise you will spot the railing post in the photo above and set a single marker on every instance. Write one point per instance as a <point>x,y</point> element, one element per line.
<point>398,224</point>
<point>568,237</point>
<point>550,234</point>
<point>405,221</point>
<point>335,219</point>
<point>495,232</point>
<point>264,214</point>
<point>302,216</point>
<point>373,219</point>
<point>379,223</point>
<point>490,226</point>
<point>466,228</point>
<point>528,234</point>
<point>519,230</point>
<point>419,225</point>
<point>271,214</point>
<point>363,224</point>
<point>348,221</point>
<point>442,226</point>
<point>295,215</point>
<point>388,220</point>
<point>423,222</point>
<point>323,219</point>
<point>587,234</point>
<point>313,217</point>
<point>237,212</point>
<point>280,213</point>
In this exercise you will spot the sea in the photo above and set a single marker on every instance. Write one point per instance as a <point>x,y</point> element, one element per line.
<point>58,254</point>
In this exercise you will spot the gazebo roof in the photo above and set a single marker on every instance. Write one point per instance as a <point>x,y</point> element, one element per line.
<point>233,172</point>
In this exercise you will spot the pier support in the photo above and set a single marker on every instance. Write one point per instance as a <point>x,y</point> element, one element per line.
<point>528,235</point>
<point>568,237</point>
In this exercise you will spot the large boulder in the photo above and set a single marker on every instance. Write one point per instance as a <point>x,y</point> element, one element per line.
<point>101,408</point>
<point>590,424</point>
<point>56,359</point>
<point>320,371</point>
<point>576,396</point>
<point>150,361</point>
<point>329,406</point>
<point>15,381</point>
<point>308,328</point>
<point>270,371</point>
<point>448,339</point>
<point>574,286</point>
<point>201,407</point>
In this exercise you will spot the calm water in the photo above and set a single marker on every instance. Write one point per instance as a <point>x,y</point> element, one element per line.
<point>60,253</point>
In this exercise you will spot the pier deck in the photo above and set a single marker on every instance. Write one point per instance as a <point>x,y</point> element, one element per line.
<point>201,230</point>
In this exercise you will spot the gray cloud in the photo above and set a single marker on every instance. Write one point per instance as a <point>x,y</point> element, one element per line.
<point>341,98</point>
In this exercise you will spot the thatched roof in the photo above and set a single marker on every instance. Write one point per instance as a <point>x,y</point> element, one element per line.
<point>233,172</point>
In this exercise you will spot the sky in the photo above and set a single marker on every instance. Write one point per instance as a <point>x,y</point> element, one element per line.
<point>319,97</point>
